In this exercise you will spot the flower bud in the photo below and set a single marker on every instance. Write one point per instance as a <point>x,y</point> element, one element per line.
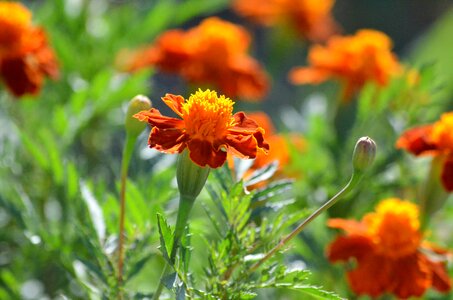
<point>133,126</point>
<point>191,177</point>
<point>364,153</point>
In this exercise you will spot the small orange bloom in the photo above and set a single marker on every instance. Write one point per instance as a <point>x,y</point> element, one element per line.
<point>25,57</point>
<point>391,257</point>
<point>207,128</point>
<point>214,52</point>
<point>311,18</point>
<point>436,140</point>
<point>353,60</point>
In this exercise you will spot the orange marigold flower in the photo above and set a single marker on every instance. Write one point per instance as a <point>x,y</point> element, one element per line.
<point>213,53</point>
<point>207,128</point>
<point>353,60</point>
<point>25,57</point>
<point>311,18</point>
<point>391,257</point>
<point>435,140</point>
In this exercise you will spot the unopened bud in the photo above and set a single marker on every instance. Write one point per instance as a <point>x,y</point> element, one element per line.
<point>364,153</point>
<point>191,177</point>
<point>133,126</point>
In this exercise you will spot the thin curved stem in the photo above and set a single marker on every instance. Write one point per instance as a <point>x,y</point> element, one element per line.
<point>349,186</point>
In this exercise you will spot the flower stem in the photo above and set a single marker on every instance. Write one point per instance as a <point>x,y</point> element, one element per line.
<point>185,206</point>
<point>127,154</point>
<point>355,178</point>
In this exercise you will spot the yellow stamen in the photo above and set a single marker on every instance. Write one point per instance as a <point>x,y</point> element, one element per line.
<point>207,116</point>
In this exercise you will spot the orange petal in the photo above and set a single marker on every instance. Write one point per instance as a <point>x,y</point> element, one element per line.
<point>410,276</point>
<point>243,146</point>
<point>247,80</point>
<point>263,120</point>
<point>203,153</point>
<point>372,275</point>
<point>345,247</point>
<point>155,118</point>
<point>447,174</point>
<point>349,226</point>
<point>416,141</point>
<point>175,102</point>
<point>440,279</point>
<point>20,77</point>
<point>308,76</point>
<point>167,140</point>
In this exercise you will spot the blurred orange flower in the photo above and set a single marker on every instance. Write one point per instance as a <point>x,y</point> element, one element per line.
<point>391,257</point>
<point>311,18</point>
<point>25,57</point>
<point>279,144</point>
<point>208,129</point>
<point>436,140</point>
<point>353,60</point>
<point>214,52</point>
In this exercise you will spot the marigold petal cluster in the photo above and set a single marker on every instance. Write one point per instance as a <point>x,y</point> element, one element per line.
<point>25,57</point>
<point>212,53</point>
<point>433,139</point>
<point>207,127</point>
<point>311,18</point>
<point>353,60</point>
<point>390,254</point>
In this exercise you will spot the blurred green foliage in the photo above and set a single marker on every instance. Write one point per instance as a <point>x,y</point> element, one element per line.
<point>60,156</point>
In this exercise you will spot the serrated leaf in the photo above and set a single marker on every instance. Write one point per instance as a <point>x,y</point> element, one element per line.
<point>166,237</point>
<point>262,174</point>
<point>317,292</point>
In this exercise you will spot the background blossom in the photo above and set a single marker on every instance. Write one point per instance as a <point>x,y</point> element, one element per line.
<point>391,258</point>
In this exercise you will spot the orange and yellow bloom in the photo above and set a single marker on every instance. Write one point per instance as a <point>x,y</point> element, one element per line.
<point>389,251</point>
<point>435,140</point>
<point>353,60</point>
<point>25,57</point>
<point>311,18</point>
<point>207,128</point>
<point>212,53</point>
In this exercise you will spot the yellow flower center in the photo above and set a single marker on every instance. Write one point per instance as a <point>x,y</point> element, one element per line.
<point>394,227</point>
<point>207,116</point>
<point>442,132</point>
<point>14,20</point>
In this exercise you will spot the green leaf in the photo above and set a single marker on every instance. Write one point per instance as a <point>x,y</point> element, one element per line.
<point>137,267</point>
<point>262,174</point>
<point>95,211</point>
<point>317,292</point>
<point>166,237</point>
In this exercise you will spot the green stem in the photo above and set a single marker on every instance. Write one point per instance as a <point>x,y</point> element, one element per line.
<point>349,186</point>
<point>127,154</point>
<point>185,206</point>
<point>433,195</point>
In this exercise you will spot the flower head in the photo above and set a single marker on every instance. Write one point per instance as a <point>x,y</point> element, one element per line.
<point>25,57</point>
<point>353,60</point>
<point>391,257</point>
<point>213,53</point>
<point>311,18</point>
<point>435,140</point>
<point>207,128</point>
